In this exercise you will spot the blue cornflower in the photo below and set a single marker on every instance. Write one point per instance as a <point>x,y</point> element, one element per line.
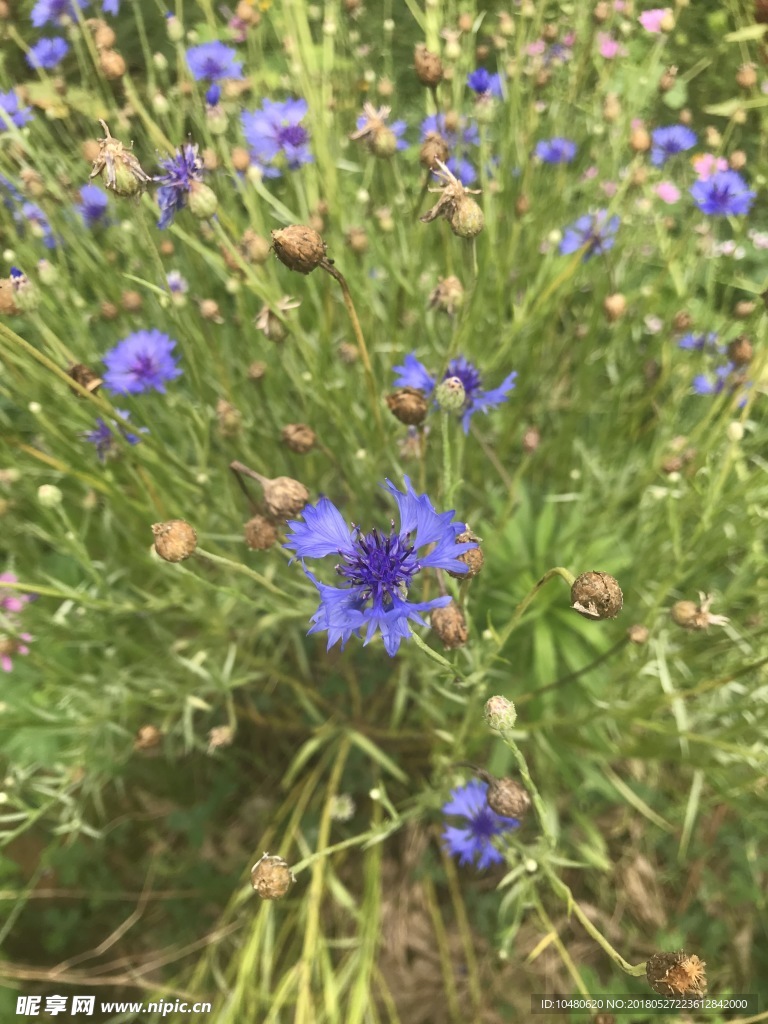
<point>52,10</point>
<point>413,374</point>
<point>93,205</point>
<point>103,436</point>
<point>110,6</point>
<point>11,111</point>
<point>484,83</point>
<point>472,843</point>
<point>182,171</point>
<point>214,61</point>
<point>142,361</point>
<point>213,95</point>
<point>556,151</point>
<point>723,194</point>
<point>275,129</point>
<point>377,568</point>
<point>47,53</point>
<point>465,132</point>
<point>698,342</point>
<point>675,138</point>
<point>594,230</point>
<point>461,169</point>
<point>31,214</point>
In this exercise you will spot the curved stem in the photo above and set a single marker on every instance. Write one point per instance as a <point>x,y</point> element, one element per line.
<point>518,613</point>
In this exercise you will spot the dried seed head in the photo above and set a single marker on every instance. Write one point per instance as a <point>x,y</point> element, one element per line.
<point>531,440</point>
<point>740,351</point>
<point>357,240</point>
<point>746,77</point>
<point>737,160</point>
<point>450,394</point>
<point>453,195</point>
<point>284,496</point>
<point>611,108</point>
<point>428,66</point>
<point>614,307</point>
<point>85,377</point>
<point>8,304</point>
<point>220,736</point>
<point>677,975</point>
<point>448,296</point>
<point>259,533</point>
<point>112,64</point>
<point>131,301</point>
<point>33,182</point>
<point>408,405</point>
<point>118,167</point>
<point>255,248</point>
<point>474,559</point>
<point>682,321</point>
<point>299,247</point>
<point>743,310</point>
<point>689,615</point>
<point>149,737</point>
<point>500,713</point>
<point>508,798</point>
<point>230,418</point>
<point>638,634</point>
<point>209,310</point>
<point>601,12</point>
<point>103,34</point>
<point>596,595</point>
<point>108,310</point>
<point>450,625</point>
<point>640,140</point>
<point>271,877</point>
<point>174,540</point>
<point>668,79</point>
<point>466,219</point>
<point>348,353</point>
<point>299,438</point>
<point>256,371</point>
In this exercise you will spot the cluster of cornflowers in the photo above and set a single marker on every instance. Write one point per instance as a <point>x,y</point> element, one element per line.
<point>722,372</point>
<point>13,640</point>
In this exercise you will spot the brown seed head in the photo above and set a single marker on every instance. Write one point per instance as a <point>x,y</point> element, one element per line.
<point>466,219</point>
<point>474,559</point>
<point>284,496</point>
<point>131,301</point>
<point>357,240</point>
<point>428,66</point>
<point>148,737</point>
<point>447,296</point>
<point>677,975</point>
<point>508,798</point>
<point>614,307</point>
<point>682,321</point>
<point>690,615</point>
<point>668,79</point>
<point>299,438</point>
<point>259,533</point>
<point>408,405</point>
<point>596,595</point>
<point>746,77</point>
<point>117,166</point>
<point>174,540</point>
<point>299,247</point>
<point>450,625</point>
<point>611,108</point>
<point>85,377</point>
<point>209,310</point>
<point>8,306</point>
<point>601,12</point>
<point>744,309</point>
<point>740,351</point>
<point>638,634</point>
<point>737,160</point>
<point>112,64</point>
<point>254,248</point>
<point>434,148</point>
<point>531,439</point>
<point>108,310</point>
<point>640,140</point>
<point>256,371</point>
<point>103,34</point>
<point>271,877</point>
<point>230,418</point>
<point>241,158</point>
<point>522,205</point>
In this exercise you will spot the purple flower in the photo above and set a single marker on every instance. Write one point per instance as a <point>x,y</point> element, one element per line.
<point>594,232</point>
<point>465,133</point>
<point>556,151</point>
<point>53,10</point>
<point>698,342</point>
<point>47,53</point>
<point>675,138</point>
<point>214,61</point>
<point>177,283</point>
<point>484,83</point>
<point>11,600</point>
<point>653,20</point>
<point>94,204</point>
<point>213,95</point>
<point>472,842</point>
<point>142,361</point>
<point>31,214</point>
<point>413,374</point>
<point>275,130</point>
<point>461,169</point>
<point>724,194</point>
<point>182,171</point>
<point>11,111</point>
<point>103,436</point>
<point>12,645</point>
<point>377,568</point>
<point>110,6</point>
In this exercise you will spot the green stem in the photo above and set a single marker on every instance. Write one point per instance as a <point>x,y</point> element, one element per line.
<point>443,662</point>
<point>447,475</point>
<point>518,613</point>
<point>530,785</point>
<point>245,570</point>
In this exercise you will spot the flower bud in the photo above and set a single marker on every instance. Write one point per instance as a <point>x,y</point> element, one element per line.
<point>466,218</point>
<point>614,307</point>
<point>149,737</point>
<point>408,405</point>
<point>271,877</point>
<point>428,66</point>
<point>638,634</point>
<point>118,167</point>
<point>299,438</point>
<point>450,625</point>
<point>433,148</point>
<point>450,395</point>
<point>49,495</point>
<point>299,247</point>
<point>474,558</point>
<point>508,798</point>
<point>740,351</point>
<point>203,201</point>
<point>112,65</point>
<point>448,295</point>
<point>174,540</point>
<point>174,28</point>
<point>85,377</point>
<point>677,975</point>
<point>284,496</point>
<point>259,533</point>
<point>596,595</point>
<point>640,140</point>
<point>746,77</point>
<point>500,713</point>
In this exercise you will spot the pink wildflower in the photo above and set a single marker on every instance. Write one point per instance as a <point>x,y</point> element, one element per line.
<point>667,192</point>
<point>10,600</point>
<point>609,47</point>
<point>536,48</point>
<point>707,164</point>
<point>651,20</point>
<point>12,645</point>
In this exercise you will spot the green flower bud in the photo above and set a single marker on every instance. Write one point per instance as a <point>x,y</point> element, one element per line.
<point>450,395</point>
<point>203,202</point>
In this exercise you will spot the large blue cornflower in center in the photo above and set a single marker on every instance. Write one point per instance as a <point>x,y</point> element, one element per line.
<point>377,568</point>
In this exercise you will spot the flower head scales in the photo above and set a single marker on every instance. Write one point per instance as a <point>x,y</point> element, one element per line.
<point>377,568</point>
<point>142,361</point>
<point>472,842</point>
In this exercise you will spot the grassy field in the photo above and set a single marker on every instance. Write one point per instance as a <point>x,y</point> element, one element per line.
<point>383,489</point>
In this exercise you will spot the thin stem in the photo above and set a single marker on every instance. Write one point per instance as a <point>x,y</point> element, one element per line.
<point>244,569</point>
<point>530,785</point>
<point>443,662</point>
<point>447,475</point>
<point>518,613</point>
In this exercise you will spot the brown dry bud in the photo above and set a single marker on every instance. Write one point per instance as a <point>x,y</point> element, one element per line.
<point>259,533</point>
<point>682,321</point>
<point>450,625</point>
<point>256,371</point>
<point>408,405</point>
<point>112,64</point>
<point>357,240</point>
<point>601,12</point>
<point>542,78</point>
<point>508,798</point>
<point>8,305</point>
<point>740,351</point>
<point>638,634</point>
<point>690,615</point>
<point>271,877</point>
<point>550,32</point>
<point>522,205</point>
<point>447,296</point>
<point>103,34</point>
<point>640,140</point>
<point>299,247</point>
<point>639,177</point>
<point>117,166</point>
<point>166,247</point>
<point>209,310</point>
<point>241,158</point>
<point>596,595</point>
<point>611,108</point>
<point>131,301</point>
<point>531,439</point>
<point>108,310</point>
<point>474,559</point>
<point>174,540</point>
<point>434,148</point>
<point>466,218</point>
<point>737,160</point>
<point>428,66</point>
<point>677,975</point>
<point>149,737</point>
<point>85,377</point>
<point>348,353</point>
<point>299,437</point>
<point>744,309</point>
<point>284,496</point>
<point>672,464</point>
<point>614,307</point>
<point>90,150</point>
<point>230,418</point>
<point>255,248</point>
<point>668,79</point>
<point>33,182</point>
<point>746,77</point>
<point>247,11</point>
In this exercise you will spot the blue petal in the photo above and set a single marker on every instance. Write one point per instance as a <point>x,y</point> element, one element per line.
<point>323,532</point>
<point>413,374</point>
<point>339,613</point>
